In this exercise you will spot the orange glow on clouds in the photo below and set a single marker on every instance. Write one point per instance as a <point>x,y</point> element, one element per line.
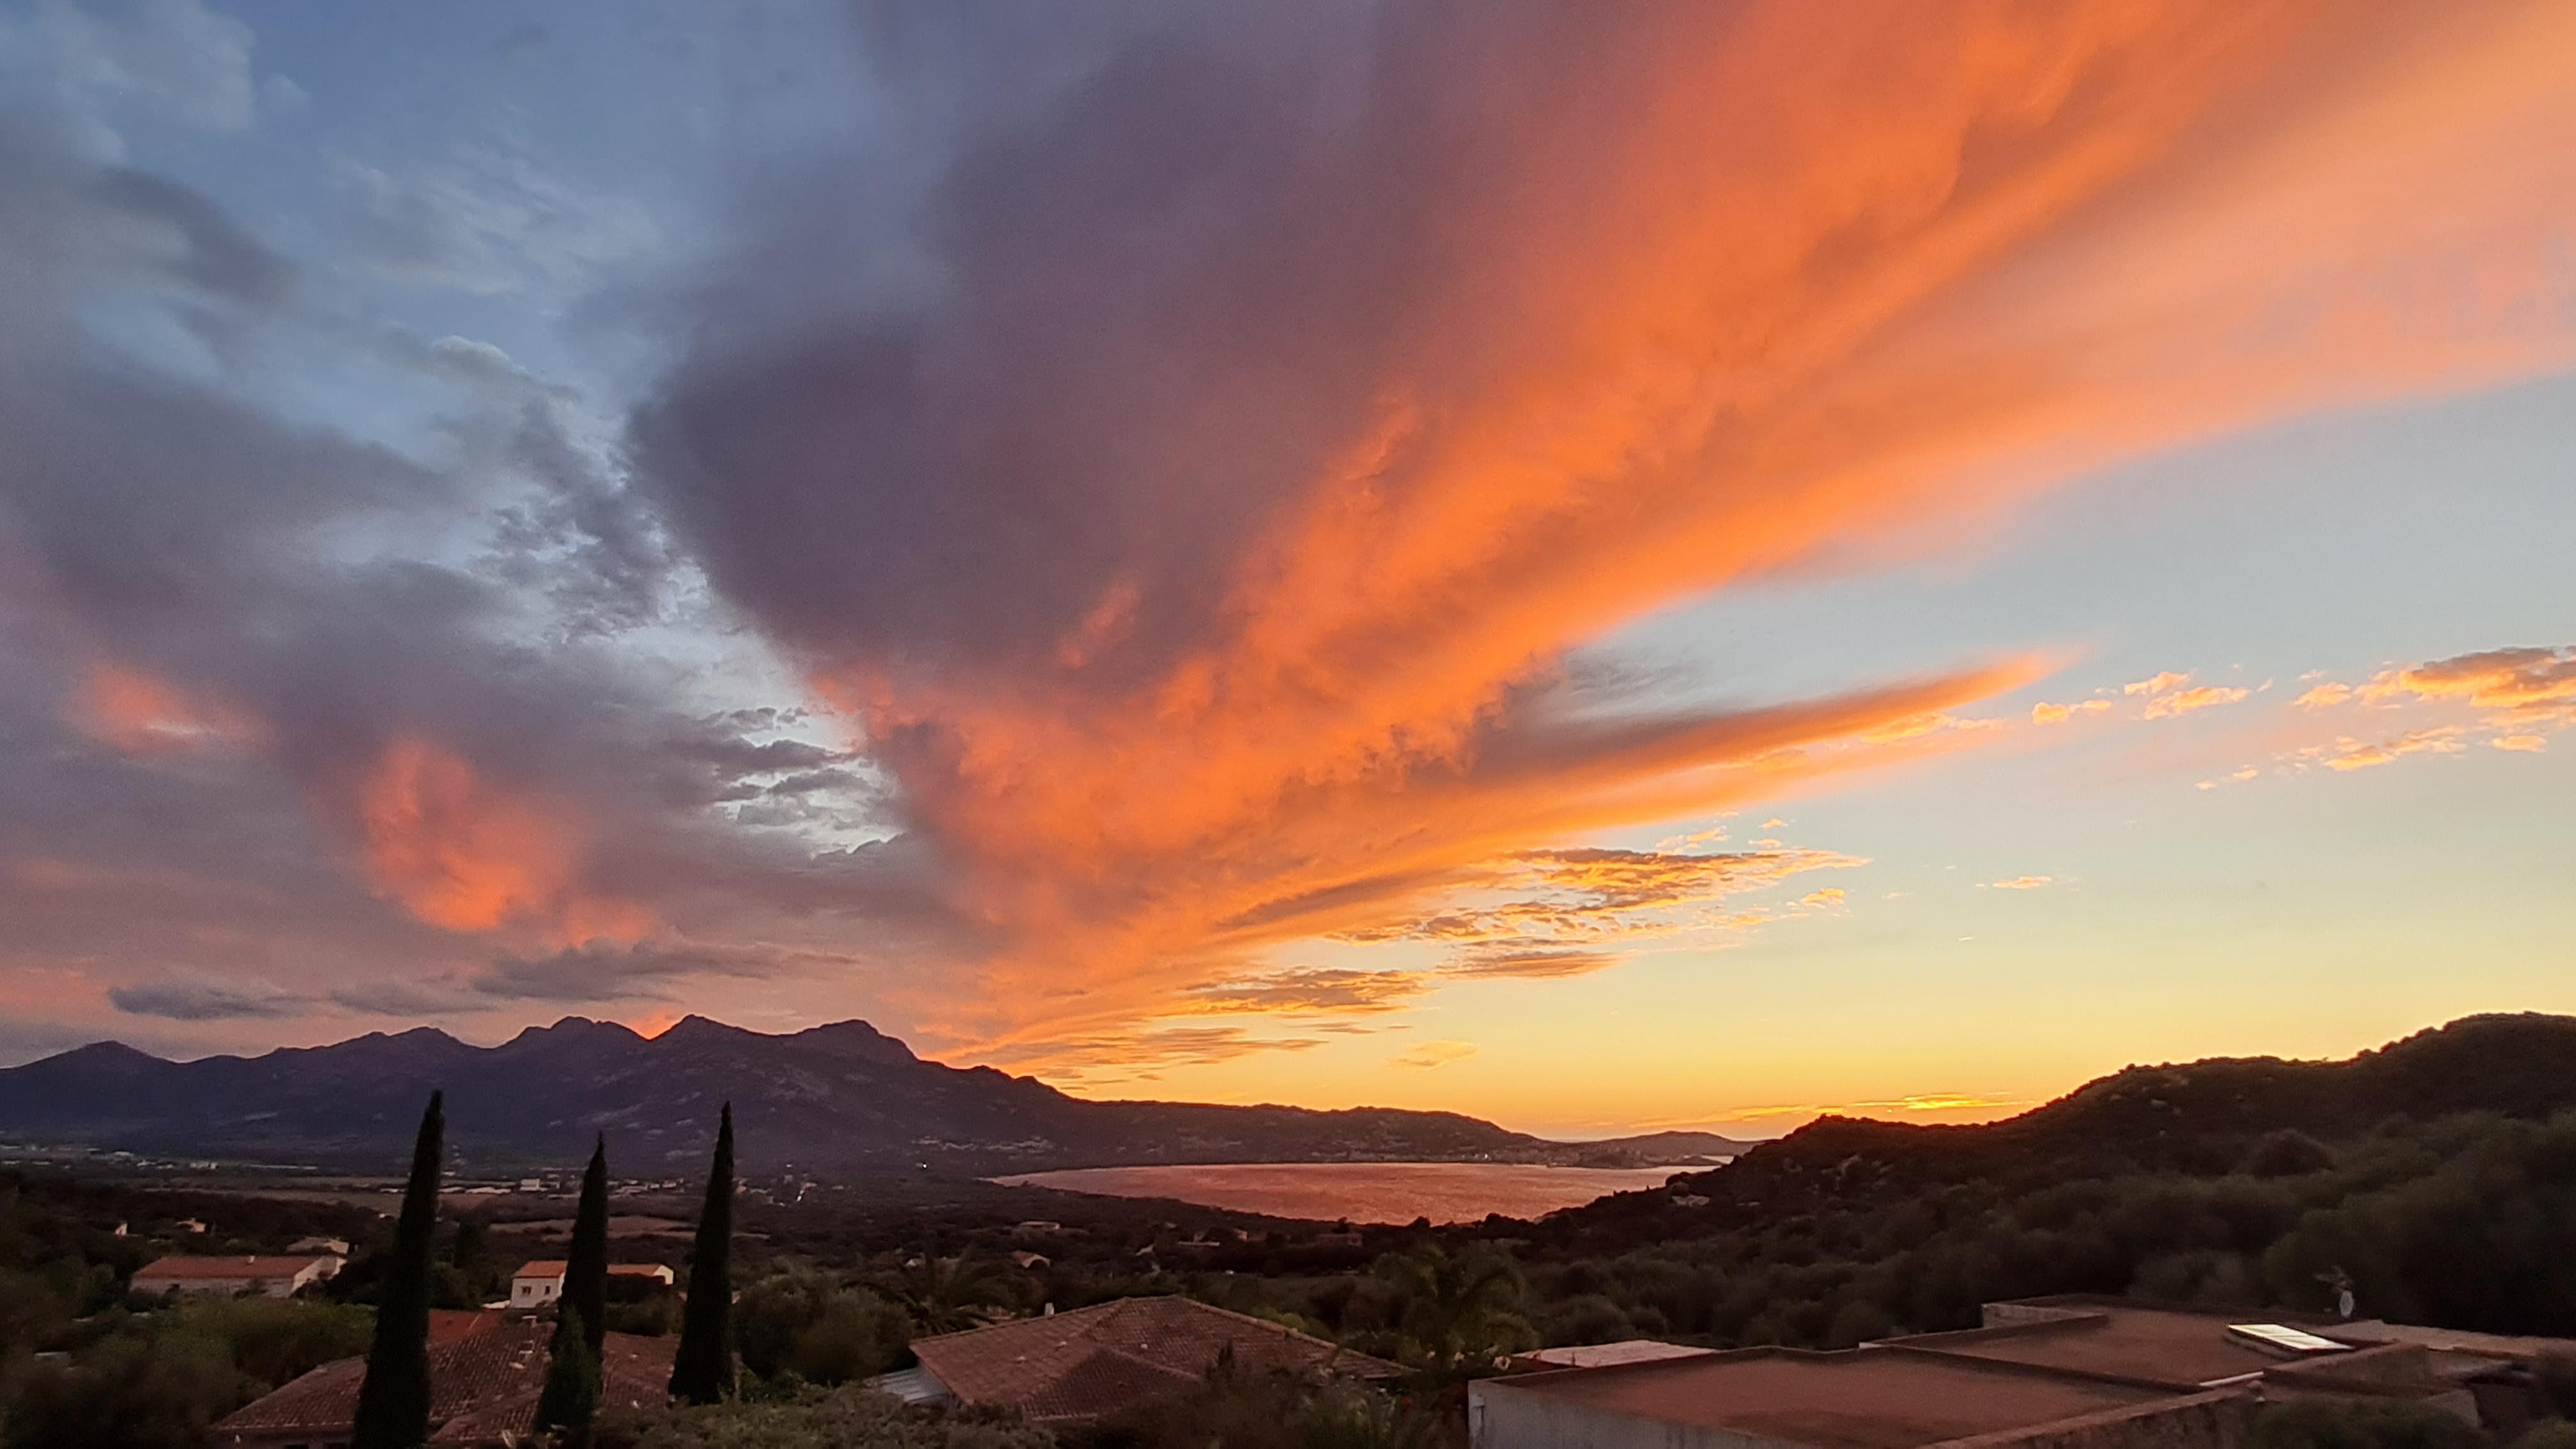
<point>2516,699</point>
<point>463,854</point>
<point>1779,281</point>
<point>2185,701</point>
<point>129,710</point>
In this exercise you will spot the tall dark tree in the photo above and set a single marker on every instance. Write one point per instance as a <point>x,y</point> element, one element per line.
<point>702,1371</point>
<point>585,1288</point>
<point>393,1399</point>
<point>570,1398</point>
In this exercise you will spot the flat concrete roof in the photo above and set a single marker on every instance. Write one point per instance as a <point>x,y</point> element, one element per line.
<point>2176,1348</point>
<point>1855,1399</point>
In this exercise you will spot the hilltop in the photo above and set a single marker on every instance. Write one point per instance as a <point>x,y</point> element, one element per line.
<point>840,1097</point>
<point>2264,1115</point>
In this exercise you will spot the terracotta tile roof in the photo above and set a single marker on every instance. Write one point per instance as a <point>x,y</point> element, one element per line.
<point>446,1325</point>
<point>1098,1360</point>
<point>556,1268</point>
<point>484,1382</point>
<point>258,1265</point>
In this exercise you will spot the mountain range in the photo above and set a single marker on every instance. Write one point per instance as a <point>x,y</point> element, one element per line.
<point>841,1098</point>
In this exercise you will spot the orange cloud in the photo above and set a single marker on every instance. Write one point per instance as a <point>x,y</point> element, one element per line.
<point>464,854</point>
<point>1720,292</point>
<point>1313,991</point>
<point>2022,883</point>
<point>144,714</point>
<point>2519,684</point>
<point>2521,696</point>
<point>2351,754</point>
<point>1519,917</point>
<point>2044,713</point>
<point>1916,726</point>
<point>2156,684</point>
<point>1434,1054</point>
<point>2184,701</point>
<point>1926,1103</point>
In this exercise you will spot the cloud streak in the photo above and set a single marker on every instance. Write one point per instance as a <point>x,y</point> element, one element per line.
<point>1292,398</point>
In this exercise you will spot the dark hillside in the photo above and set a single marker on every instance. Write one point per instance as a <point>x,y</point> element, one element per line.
<point>836,1097</point>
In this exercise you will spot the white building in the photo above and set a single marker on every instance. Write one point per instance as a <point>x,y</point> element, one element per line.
<point>540,1282</point>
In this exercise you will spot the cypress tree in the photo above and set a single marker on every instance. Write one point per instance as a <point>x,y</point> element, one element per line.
<point>570,1398</point>
<point>393,1399</point>
<point>702,1371</point>
<point>585,1289</point>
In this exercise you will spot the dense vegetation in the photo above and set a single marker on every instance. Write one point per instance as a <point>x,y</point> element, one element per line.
<point>2224,1183</point>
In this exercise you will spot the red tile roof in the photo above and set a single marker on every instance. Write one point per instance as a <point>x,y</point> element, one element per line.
<point>446,1325</point>
<point>556,1268</point>
<point>483,1381</point>
<point>256,1266</point>
<point>1098,1360</point>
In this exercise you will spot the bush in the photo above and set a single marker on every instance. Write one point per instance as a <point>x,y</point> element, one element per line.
<point>855,1418</point>
<point>856,1334</point>
<point>130,1392</point>
<point>2287,1153</point>
<point>2361,1424</point>
<point>806,1323</point>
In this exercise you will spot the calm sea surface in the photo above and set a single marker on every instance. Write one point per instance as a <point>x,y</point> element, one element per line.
<point>1364,1192</point>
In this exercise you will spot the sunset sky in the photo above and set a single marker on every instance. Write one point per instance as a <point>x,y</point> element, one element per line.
<point>1607,566</point>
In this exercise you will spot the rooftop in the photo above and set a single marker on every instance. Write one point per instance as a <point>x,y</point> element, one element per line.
<point>1097,1360</point>
<point>484,1379</point>
<point>256,1265</point>
<point>2171,1347</point>
<point>1868,1398</point>
<point>556,1268</point>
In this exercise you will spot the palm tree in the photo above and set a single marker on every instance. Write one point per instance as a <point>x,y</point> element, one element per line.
<point>1464,1309</point>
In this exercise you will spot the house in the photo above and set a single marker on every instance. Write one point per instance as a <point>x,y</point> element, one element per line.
<point>1866,1398</point>
<point>485,1373</point>
<point>337,1246</point>
<point>274,1276</point>
<point>540,1282</point>
<point>1068,1367</point>
<point>2108,1373</point>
